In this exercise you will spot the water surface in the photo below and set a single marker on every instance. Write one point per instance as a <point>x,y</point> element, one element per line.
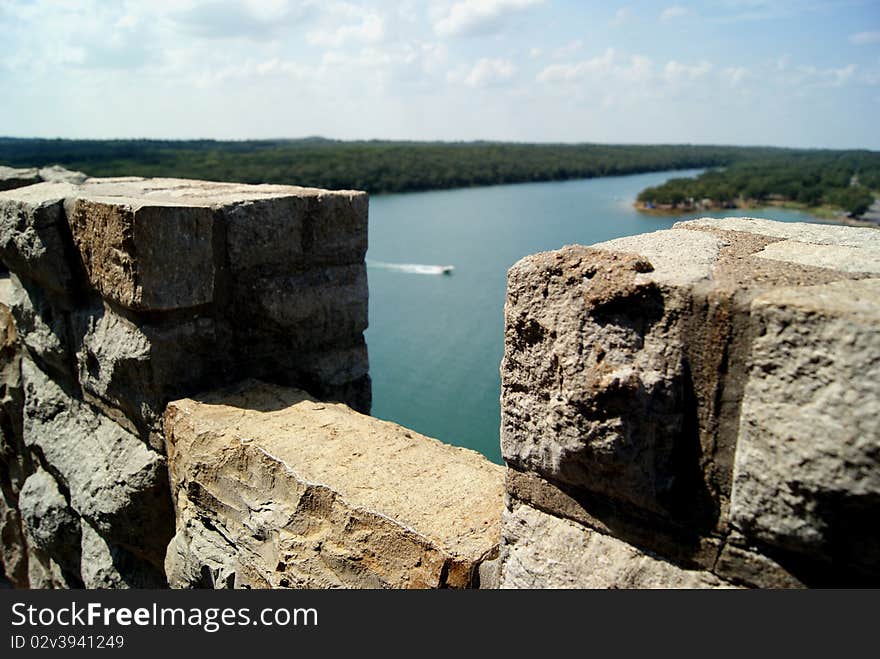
<point>436,340</point>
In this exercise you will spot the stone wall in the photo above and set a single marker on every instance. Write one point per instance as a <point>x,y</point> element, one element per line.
<point>695,407</point>
<point>184,388</point>
<point>125,294</point>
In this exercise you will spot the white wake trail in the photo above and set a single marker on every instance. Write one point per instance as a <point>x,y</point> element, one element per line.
<point>413,268</point>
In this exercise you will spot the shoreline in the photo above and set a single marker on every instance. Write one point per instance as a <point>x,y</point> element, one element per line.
<point>823,212</point>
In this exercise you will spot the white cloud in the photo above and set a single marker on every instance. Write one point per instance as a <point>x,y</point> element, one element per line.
<point>609,65</point>
<point>622,16</point>
<point>489,72</point>
<point>865,38</point>
<point>803,77</point>
<point>472,16</point>
<point>673,12</point>
<point>368,28</point>
<point>676,71</point>
<point>735,75</point>
<point>568,49</point>
<point>534,53</point>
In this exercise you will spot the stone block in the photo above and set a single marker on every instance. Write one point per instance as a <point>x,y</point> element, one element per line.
<point>596,388</point>
<point>49,522</point>
<point>142,255</point>
<point>807,477</point>
<point>543,551</point>
<point>275,489</point>
<point>34,237</point>
<point>12,178</point>
<point>44,327</point>
<point>114,480</point>
<point>132,369</point>
<point>313,309</point>
<point>107,566</point>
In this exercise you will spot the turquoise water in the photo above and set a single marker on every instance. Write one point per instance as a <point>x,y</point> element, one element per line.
<point>436,341</point>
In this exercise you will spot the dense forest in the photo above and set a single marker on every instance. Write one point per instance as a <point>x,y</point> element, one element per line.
<point>837,179</point>
<point>375,166</point>
<point>842,179</point>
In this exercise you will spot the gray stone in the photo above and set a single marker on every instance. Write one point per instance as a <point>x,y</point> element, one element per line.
<point>44,328</point>
<point>802,232</point>
<point>34,241</point>
<point>335,231</point>
<point>114,480</point>
<point>145,256</point>
<point>265,235</point>
<point>594,383</point>
<point>58,174</point>
<point>12,453</point>
<point>313,309</point>
<point>51,525</point>
<point>12,178</point>
<point>13,546</point>
<point>646,378</point>
<point>132,369</point>
<point>542,551</point>
<point>807,477</point>
<point>844,258</point>
<point>106,566</point>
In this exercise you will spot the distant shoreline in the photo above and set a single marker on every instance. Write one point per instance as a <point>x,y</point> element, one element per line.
<point>823,212</point>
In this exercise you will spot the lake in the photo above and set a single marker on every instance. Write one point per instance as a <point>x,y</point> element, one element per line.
<point>435,340</point>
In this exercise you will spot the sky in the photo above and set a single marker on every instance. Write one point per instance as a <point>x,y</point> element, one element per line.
<point>779,72</point>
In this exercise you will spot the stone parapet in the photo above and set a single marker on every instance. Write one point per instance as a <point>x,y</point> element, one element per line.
<point>707,395</point>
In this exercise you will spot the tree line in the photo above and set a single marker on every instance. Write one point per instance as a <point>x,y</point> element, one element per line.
<point>841,179</point>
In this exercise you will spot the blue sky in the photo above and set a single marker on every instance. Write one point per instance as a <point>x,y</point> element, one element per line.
<point>783,72</point>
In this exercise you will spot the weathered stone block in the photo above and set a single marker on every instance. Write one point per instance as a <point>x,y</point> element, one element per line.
<point>13,546</point>
<point>807,477</point>
<point>316,308</point>
<point>335,230</point>
<point>14,463</point>
<point>114,480</point>
<point>637,372</point>
<point>543,551</point>
<point>49,522</point>
<point>596,390</point>
<point>12,178</point>
<point>265,235</point>
<point>143,255</point>
<point>276,489</point>
<point>43,327</point>
<point>34,237</point>
<point>107,566</point>
<point>132,369</point>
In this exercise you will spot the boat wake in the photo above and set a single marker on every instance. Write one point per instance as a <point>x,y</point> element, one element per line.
<point>413,268</point>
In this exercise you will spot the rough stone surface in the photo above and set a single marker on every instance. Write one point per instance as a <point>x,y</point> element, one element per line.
<point>33,236</point>
<point>11,178</point>
<point>13,550</point>
<point>844,258</point>
<point>276,489</point>
<point>144,256</point>
<point>106,566</point>
<point>707,394</point>
<point>806,233</point>
<point>594,379</point>
<point>807,475</point>
<point>544,551</point>
<point>51,525</point>
<point>132,369</point>
<point>44,328</point>
<point>58,174</point>
<point>115,482</point>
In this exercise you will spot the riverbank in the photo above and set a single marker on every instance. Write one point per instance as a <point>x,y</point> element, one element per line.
<point>824,212</point>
